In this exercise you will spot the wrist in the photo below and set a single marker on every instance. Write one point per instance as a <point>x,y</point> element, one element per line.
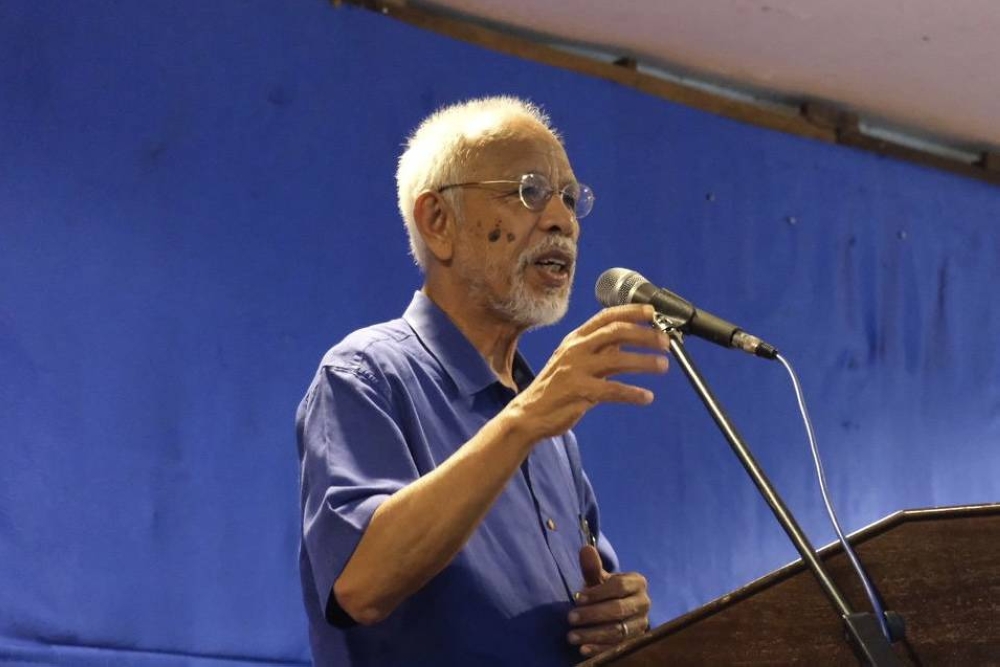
<point>517,428</point>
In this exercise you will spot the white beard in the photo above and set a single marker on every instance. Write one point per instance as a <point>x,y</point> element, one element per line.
<point>522,305</point>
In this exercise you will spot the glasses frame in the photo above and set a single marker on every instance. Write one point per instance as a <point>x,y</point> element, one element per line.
<point>584,194</point>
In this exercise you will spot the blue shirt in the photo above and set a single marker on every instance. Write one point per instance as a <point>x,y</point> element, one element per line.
<point>388,404</point>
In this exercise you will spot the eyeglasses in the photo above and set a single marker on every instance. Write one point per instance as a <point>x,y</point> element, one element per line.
<point>535,192</point>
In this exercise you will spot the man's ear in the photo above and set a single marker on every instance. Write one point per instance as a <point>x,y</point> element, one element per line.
<point>435,220</point>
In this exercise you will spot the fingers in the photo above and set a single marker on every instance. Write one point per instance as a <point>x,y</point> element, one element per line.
<point>629,313</point>
<point>575,379</point>
<point>616,587</point>
<point>610,611</point>
<point>602,353</point>
<point>616,334</point>
<point>612,391</point>
<point>608,633</point>
<point>629,362</point>
<point>597,639</point>
<point>591,567</point>
<point>588,650</point>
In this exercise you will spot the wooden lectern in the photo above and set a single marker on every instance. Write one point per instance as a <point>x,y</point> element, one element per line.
<point>938,568</point>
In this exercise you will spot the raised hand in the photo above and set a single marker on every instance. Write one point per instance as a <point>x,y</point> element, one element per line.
<point>575,378</point>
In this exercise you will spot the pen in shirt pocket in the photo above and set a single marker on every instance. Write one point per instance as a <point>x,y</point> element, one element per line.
<point>588,535</point>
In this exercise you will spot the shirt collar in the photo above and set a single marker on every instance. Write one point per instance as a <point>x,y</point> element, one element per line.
<point>459,357</point>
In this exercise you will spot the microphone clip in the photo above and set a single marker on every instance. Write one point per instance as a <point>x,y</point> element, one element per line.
<point>667,323</point>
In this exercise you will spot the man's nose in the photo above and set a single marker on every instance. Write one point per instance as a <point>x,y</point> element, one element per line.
<point>557,217</point>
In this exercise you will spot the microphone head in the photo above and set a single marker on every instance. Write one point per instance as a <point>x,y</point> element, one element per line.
<point>616,286</point>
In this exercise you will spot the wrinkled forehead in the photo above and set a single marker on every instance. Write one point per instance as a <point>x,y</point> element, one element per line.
<point>524,147</point>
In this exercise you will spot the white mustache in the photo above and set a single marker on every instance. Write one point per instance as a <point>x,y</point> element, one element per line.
<point>550,243</point>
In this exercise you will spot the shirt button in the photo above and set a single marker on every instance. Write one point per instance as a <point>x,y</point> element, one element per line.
<point>551,524</point>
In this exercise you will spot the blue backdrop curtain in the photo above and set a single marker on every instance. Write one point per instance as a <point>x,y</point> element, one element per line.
<point>197,199</point>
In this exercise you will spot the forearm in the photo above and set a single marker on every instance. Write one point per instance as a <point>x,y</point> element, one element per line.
<point>416,532</point>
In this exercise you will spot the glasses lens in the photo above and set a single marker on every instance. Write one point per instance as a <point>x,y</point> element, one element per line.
<point>584,200</point>
<point>535,191</point>
<point>570,195</point>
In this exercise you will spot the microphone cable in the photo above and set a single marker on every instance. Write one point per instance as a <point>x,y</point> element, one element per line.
<point>870,590</point>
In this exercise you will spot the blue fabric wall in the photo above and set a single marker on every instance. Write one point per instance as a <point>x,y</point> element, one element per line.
<point>196,200</point>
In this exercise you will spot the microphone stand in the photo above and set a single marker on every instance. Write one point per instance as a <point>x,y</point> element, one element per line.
<point>863,631</point>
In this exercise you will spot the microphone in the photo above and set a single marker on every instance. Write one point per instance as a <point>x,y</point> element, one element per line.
<point>617,287</point>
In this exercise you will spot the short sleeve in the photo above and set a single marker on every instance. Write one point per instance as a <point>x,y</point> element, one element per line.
<point>353,457</point>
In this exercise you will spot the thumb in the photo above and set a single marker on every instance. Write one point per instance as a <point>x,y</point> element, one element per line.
<point>591,567</point>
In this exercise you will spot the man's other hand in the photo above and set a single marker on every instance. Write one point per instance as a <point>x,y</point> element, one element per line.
<point>611,609</point>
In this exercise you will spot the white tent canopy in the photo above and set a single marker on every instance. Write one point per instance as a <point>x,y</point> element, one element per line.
<point>920,71</point>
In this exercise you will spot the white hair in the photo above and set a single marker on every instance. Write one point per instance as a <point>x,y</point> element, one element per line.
<point>440,150</point>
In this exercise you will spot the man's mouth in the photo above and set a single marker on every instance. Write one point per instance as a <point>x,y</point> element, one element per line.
<point>553,265</point>
<point>555,262</point>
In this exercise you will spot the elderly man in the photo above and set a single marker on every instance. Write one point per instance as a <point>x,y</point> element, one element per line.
<point>446,519</point>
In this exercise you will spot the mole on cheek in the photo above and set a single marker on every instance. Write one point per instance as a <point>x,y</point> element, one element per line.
<point>494,235</point>
<point>510,237</point>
